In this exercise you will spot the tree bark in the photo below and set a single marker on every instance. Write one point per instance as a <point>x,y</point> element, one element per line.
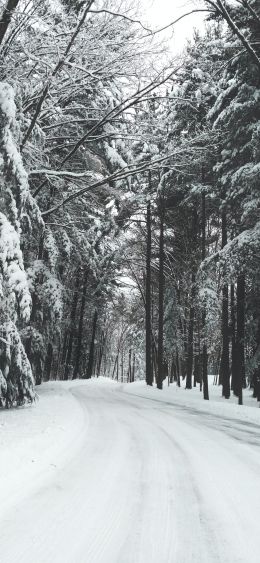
<point>204,346</point>
<point>129,375</point>
<point>80,327</point>
<point>148,327</point>
<point>224,363</point>
<point>48,362</point>
<point>115,365</point>
<point>71,332</point>
<point>6,17</point>
<point>122,364</point>
<point>133,368</point>
<point>101,353</point>
<point>161,298</point>
<point>178,369</point>
<point>256,373</point>
<point>190,336</point>
<point>240,336</point>
<point>92,346</point>
<point>233,339</point>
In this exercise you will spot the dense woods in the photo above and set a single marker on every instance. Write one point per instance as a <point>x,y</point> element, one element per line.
<point>129,198</point>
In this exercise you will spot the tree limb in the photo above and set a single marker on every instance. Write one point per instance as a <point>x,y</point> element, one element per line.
<point>57,67</point>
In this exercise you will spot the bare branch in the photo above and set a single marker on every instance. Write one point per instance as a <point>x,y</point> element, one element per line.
<point>179,19</point>
<point>57,67</point>
<point>123,16</point>
<point>116,111</point>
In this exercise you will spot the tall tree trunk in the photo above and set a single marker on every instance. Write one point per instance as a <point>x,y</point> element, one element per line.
<point>115,365</point>
<point>190,336</point>
<point>178,368</point>
<point>57,374</point>
<point>71,332</point>
<point>196,370</point>
<point>122,364</point>
<point>148,327</point>
<point>173,371</point>
<point>161,297</point>
<point>255,382</point>
<point>133,368</point>
<point>6,17</point>
<point>92,346</point>
<point>78,350</point>
<point>224,363</point>
<point>233,340</point>
<point>240,336</point>
<point>101,353</point>
<point>129,375</point>
<point>64,346</point>
<point>204,346</point>
<point>48,362</point>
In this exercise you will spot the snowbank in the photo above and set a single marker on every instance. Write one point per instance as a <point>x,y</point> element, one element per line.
<point>36,439</point>
<point>193,399</point>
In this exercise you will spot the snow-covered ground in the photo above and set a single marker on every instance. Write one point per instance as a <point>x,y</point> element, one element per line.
<point>99,472</point>
<point>194,398</point>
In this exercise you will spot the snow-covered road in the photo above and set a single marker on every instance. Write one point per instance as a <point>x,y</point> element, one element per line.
<point>145,482</point>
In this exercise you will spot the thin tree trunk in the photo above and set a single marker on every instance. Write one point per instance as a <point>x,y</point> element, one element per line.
<point>190,336</point>
<point>178,368</point>
<point>48,362</point>
<point>196,370</point>
<point>224,364</point>
<point>58,361</point>
<point>64,347</point>
<point>256,373</point>
<point>72,327</point>
<point>6,17</point>
<point>240,336</point>
<point>233,340</point>
<point>154,359</point>
<point>161,298</point>
<point>148,326</point>
<point>101,353</point>
<point>115,365</point>
<point>204,346</point>
<point>173,372</point>
<point>122,364</point>
<point>129,376</point>
<point>92,346</point>
<point>78,350</point>
<point>133,368</point>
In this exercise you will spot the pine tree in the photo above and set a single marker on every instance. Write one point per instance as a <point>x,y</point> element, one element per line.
<point>17,384</point>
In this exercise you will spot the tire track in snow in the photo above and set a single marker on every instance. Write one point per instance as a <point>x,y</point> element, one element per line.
<point>136,491</point>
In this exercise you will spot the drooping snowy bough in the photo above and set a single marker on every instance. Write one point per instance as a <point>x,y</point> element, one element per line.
<point>16,204</point>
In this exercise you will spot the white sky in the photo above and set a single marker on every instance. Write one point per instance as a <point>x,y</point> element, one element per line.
<point>161,12</point>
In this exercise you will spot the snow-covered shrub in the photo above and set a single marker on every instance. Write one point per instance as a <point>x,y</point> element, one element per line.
<point>16,380</point>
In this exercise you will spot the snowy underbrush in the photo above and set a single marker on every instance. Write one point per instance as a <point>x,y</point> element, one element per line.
<point>193,398</point>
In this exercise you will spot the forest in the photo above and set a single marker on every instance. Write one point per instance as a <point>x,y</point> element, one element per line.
<point>129,197</point>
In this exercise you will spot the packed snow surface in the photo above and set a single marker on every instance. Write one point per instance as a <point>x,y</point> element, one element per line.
<point>99,472</point>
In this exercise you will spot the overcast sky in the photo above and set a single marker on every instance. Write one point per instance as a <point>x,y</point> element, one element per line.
<point>161,12</point>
